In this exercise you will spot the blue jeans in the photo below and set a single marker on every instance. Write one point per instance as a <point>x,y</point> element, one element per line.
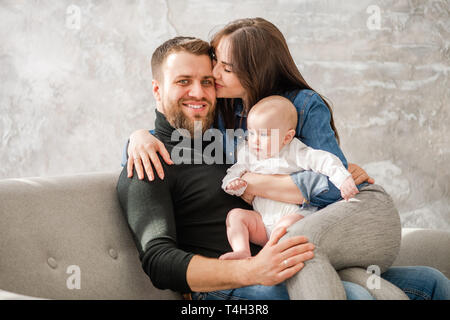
<point>419,283</point>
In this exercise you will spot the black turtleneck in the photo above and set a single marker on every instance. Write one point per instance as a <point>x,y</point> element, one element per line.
<point>175,218</point>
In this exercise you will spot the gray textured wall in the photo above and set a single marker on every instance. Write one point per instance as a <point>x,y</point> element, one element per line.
<point>75,81</point>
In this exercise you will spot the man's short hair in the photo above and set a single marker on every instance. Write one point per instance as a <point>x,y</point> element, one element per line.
<point>189,44</point>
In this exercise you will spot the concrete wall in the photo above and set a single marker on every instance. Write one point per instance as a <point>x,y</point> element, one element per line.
<point>75,82</point>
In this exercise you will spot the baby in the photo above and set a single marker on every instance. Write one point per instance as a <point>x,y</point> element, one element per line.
<point>273,149</point>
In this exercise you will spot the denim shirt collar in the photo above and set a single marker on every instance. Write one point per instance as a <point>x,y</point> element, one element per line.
<point>239,109</point>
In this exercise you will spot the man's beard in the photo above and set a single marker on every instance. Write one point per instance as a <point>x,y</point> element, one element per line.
<point>177,119</point>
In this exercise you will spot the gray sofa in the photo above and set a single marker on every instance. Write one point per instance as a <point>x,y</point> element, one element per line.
<point>59,231</point>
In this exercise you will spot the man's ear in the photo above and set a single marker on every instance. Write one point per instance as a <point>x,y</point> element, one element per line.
<point>289,136</point>
<point>156,90</point>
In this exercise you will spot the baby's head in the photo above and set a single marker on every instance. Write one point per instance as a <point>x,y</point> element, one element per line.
<point>271,125</point>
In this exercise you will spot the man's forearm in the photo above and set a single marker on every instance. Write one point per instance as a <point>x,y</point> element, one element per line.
<point>208,274</point>
<point>275,187</point>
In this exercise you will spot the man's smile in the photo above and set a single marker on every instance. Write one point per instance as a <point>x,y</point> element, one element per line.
<point>195,106</point>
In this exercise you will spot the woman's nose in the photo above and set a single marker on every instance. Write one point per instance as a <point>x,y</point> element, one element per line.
<point>215,71</point>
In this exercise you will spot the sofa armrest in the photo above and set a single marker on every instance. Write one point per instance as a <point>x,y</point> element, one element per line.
<point>425,247</point>
<point>6,295</point>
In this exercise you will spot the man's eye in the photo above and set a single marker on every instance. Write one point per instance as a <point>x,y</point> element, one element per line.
<point>207,82</point>
<point>184,81</point>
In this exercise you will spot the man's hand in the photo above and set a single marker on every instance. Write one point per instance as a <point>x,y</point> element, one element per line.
<point>278,261</point>
<point>359,175</point>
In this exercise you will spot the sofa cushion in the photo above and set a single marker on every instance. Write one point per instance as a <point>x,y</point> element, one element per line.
<point>425,247</point>
<point>58,234</point>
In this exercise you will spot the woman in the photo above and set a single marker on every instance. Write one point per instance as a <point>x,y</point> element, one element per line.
<point>251,61</point>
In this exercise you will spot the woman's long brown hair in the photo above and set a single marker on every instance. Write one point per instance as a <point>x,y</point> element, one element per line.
<point>263,63</point>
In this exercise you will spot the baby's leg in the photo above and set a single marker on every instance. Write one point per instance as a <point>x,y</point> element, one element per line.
<point>244,226</point>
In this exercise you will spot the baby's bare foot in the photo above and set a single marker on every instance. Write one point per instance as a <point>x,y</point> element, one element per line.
<point>235,255</point>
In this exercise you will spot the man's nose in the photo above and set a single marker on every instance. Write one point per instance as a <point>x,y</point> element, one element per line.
<point>196,90</point>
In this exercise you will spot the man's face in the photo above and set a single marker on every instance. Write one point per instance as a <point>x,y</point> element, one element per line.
<point>187,92</point>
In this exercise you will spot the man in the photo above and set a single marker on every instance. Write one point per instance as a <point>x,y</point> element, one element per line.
<point>178,222</point>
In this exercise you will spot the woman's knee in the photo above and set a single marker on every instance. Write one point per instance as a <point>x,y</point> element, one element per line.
<point>431,273</point>
<point>419,282</point>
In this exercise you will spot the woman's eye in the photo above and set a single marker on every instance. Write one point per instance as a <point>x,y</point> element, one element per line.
<point>226,68</point>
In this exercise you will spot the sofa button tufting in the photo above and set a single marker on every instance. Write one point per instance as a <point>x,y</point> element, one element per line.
<point>52,263</point>
<point>113,253</point>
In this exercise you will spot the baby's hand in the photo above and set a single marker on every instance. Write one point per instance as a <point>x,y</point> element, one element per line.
<point>236,184</point>
<point>348,188</point>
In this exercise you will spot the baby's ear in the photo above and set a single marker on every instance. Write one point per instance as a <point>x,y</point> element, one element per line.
<point>289,136</point>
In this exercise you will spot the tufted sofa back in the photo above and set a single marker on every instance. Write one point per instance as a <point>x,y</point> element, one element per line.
<point>66,238</point>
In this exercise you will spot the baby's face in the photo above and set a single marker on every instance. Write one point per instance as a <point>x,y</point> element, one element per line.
<point>265,136</point>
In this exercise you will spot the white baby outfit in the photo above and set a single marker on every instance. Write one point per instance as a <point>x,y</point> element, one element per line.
<point>293,157</point>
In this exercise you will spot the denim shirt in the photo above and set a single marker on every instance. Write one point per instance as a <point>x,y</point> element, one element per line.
<point>313,129</point>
